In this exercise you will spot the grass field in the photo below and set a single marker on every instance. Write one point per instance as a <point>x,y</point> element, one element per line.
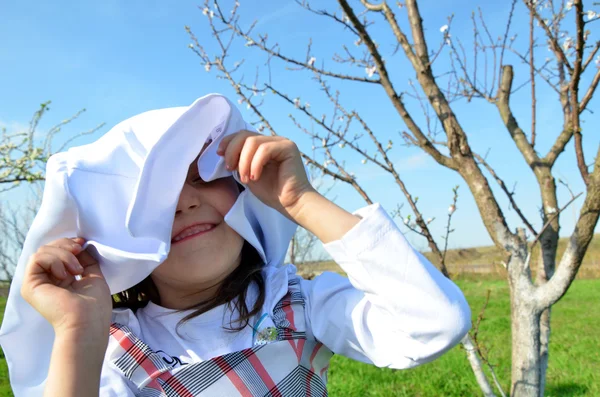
<point>574,357</point>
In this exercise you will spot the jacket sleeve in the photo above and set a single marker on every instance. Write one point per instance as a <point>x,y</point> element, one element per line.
<point>395,309</point>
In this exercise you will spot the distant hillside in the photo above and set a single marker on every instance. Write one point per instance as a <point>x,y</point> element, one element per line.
<point>488,260</point>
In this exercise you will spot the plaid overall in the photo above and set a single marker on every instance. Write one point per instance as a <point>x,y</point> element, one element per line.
<point>282,362</point>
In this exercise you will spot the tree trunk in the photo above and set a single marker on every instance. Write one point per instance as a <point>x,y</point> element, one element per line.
<point>544,347</point>
<point>526,363</point>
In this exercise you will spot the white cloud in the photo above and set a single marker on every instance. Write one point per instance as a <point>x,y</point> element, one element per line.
<point>14,126</point>
<point>411,163</point>
<point>291,8</point>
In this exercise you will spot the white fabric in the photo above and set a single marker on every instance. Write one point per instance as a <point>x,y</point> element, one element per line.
<point>120,193</point>
<point>394,310</point>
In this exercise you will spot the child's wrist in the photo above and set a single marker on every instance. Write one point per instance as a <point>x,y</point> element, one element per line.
<point>92,339</point>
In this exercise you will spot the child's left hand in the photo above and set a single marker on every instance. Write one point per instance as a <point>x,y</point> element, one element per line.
<point>271,167</point>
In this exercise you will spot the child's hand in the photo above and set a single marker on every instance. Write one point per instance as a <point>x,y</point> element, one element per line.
<point>271,166</point>
<point>69,305</point>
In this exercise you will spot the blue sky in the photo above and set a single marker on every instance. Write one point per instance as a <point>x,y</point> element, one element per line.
<point>117,58</point>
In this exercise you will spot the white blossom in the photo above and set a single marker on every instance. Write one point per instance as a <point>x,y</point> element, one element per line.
<point>324,142</point>
<point>429,220</point>
<point>241,100</point>
<point>389,145</point>
<point>211,13</point>
<point>444,29</point>
<point>207,67</point>
<point>569,5</point>
<point>205,11</point>
<point>591,15</point>
<point>568,43</point>
<point>370,71</point>
<point>311,61</point>
<point>260,128</point>
<point>248,105</point>
<point>249,43</point>
<point>297,102</point>
<point>597,61</point>
<point>314,147</point>
<point>342,145</point>
<point>358,42</point>
<point>191,45</point>
<point>364,161</point>
<point>307,105</point>
<point>451,209</point>
<point>407,220</point>
<point>551,210</point>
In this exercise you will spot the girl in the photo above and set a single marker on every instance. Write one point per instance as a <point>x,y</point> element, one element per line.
<point>220,315</point>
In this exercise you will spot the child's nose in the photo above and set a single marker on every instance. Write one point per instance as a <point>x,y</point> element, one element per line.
<point>188,199</point>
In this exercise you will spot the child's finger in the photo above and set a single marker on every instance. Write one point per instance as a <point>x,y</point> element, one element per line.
<point>277,151</point>
<point>250,146</point>
<point>48,263</point>
<point>65,256</point>
<point>72,245</point>
<point>261,158</point>
<point>233,149</point>
<point>86,259</point>
<point>222,148</point>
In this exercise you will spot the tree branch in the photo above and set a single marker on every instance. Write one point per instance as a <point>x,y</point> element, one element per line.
<point>551,37</point>
<point>396,100</point>
<point>590,92</point>
<point>549,293</point>
<point>517,134</point>
<point>507,192</point>
<point>574,98</point>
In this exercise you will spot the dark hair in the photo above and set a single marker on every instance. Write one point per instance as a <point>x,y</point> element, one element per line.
<point>233,291</point>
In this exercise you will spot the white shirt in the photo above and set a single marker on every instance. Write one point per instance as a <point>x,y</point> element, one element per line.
<point>394,310</point>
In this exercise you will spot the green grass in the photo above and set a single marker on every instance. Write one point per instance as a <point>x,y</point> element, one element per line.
<point>574,368</point>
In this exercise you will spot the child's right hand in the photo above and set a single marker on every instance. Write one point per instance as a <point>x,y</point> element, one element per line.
<point>69,305</point>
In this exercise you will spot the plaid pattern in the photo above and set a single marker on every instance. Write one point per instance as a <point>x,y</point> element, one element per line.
<point>292,365</point>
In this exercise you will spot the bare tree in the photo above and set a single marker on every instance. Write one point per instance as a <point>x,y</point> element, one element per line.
<point>571,64</point>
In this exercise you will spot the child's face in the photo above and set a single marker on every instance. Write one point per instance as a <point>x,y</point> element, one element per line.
<point>199,258</point>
